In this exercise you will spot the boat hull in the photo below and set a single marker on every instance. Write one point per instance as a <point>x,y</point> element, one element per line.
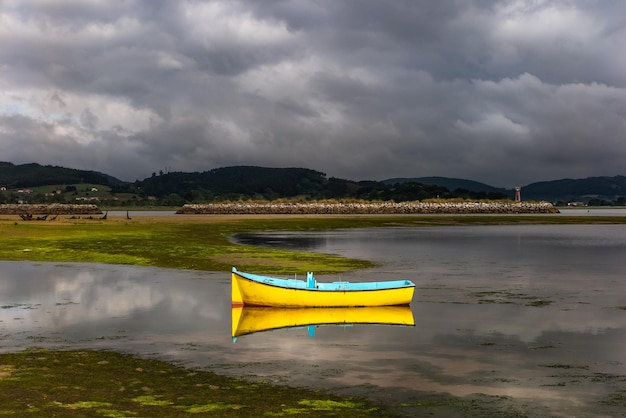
<point>250,292</point>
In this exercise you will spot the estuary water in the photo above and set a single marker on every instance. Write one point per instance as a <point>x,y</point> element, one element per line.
<point>530,319</point>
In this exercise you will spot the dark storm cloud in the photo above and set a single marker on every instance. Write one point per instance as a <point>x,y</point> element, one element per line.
<point>504,92</point>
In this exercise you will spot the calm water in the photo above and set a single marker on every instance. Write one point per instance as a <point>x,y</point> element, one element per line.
<point>532,316</point>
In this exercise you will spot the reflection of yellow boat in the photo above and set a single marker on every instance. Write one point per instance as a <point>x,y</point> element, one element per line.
<point>255,290</point>
<point>247,320</point>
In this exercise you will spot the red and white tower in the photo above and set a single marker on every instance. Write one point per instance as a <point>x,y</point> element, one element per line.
<point>518,194</point>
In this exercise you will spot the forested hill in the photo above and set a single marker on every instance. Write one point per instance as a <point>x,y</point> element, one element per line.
<point>226,183</point>
<point>31,175</point>
<point>251,182</point>
<point>450,184</point>
<point>246,181</point>
<point>584,190</point>
<point>595,190</point>
<point>272,183</point>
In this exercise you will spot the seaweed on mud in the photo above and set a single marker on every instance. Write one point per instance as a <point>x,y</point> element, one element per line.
<point>42,383</point>
<point>616,399</point>
<point>508,297</point>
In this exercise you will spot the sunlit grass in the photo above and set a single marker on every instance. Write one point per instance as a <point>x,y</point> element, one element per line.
<point>202,242</point>
<point>165,242</point>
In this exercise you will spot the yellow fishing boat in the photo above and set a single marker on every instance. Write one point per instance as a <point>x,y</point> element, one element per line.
<point>256,290</point>
<point>247,320</point>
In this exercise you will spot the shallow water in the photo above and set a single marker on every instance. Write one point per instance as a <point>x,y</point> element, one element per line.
<point>532,316</point>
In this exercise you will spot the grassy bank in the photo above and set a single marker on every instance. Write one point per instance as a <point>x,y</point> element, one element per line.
<point>202,242</point>
<point>198,243</point>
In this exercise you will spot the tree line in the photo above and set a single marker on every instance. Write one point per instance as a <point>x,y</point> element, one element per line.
<point>254,183</point>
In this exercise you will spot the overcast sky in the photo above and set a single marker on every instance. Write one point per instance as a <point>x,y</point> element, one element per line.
<point>502,92</point>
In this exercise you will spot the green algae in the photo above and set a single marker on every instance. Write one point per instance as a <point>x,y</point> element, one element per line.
<point>212,407</point>
<point>178,243</point>
<point>151,400</point>
<point>42,383</point>
<point>203,243</point>
<point>325,406</point>
<point>83,405</point>
<point>509,297</point>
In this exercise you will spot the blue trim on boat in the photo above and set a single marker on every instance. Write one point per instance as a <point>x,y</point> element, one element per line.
<point>312,284</point>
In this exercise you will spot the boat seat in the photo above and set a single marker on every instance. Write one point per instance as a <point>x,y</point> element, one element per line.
<point>310,281</point>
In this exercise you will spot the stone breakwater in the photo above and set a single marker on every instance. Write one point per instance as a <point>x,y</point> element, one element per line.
<point>318,208</point>
<point>51,209</point>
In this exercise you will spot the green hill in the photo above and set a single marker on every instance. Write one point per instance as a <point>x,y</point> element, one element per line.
<point>584,190</point>
<point>597,190</point>
<point>32,174</point>
<point>451,184</point>
<point>251,182</point>
<point>240,182</point>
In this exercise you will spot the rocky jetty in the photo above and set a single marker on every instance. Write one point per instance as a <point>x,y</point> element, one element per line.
<point>368,208</point>
<point>51,209</point>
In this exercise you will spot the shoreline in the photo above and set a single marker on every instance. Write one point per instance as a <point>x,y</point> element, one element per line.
<point>385,208</point>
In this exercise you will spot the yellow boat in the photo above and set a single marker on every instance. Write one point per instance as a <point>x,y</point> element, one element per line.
<point>247,320</point>
<point>255,290</point>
